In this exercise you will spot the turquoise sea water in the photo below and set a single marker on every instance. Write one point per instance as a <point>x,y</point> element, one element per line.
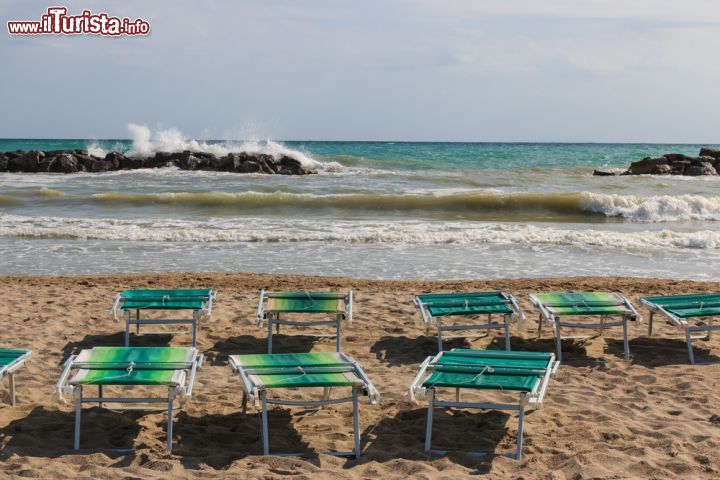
<point>375,209</point>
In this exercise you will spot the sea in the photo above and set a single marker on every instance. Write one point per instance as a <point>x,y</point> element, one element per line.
<point>381,210</point>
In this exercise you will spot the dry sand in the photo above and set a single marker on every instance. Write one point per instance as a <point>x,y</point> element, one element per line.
<point>653,417</point>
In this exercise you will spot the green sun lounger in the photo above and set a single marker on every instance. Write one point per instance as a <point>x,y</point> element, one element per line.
<point>524,373</point>
<point>274,306</point>
<point>280,371</point>
<point>554,306</point>
<point>681,309</point>
<point>10,361</point>
<point>435,307</point>
<point>170,368</point>
<point>197,300</point>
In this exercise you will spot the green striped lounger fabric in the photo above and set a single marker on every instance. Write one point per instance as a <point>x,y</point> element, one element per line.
<point>592,303</point>
<point>554,306</point>
<point>133,366</point>
<point>524,373</point>
<point>306,302</point>
<point>678,309</point>
<point>132,302</point>
<point>332,308</point>
<point>157,299</point>
<point>10,361</point>
<point>170,367</point>
<point>489,369</point>
<point>290,370</point>
<point>263,372</point>
<point>466,303</point>
<point>435,306</point>
<point>9,357</point>
<point>688,306</point>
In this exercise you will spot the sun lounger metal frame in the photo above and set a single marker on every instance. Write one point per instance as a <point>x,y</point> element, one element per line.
<point>554,322</point>
<point>681,322</point>
<point>525,401</point>
<point>181,392</point>
<point>197,314</point>
<point>11,368</point>
<point>273,318</point>
<point>258,395</point>
<point>429,320</point>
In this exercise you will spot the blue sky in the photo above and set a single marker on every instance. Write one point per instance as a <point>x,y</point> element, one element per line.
<point>475,70</point>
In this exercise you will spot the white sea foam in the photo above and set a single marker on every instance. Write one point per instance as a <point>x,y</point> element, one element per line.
<point>400,233</point>
<point>146,144</point>
<point>656,208</point>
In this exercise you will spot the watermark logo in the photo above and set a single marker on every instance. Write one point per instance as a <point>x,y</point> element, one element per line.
<point>56,21</point>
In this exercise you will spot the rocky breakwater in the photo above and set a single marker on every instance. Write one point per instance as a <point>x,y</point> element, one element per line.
<point>707,163</point>
<point>72,161</point>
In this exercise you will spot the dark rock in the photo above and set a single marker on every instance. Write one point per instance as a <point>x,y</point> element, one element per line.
<point>64,163</point>
<point>161,159</point>
<point>191,161</point>
<point>678,157</point>
<point>223,164</point>
<point>710,152</point>
<point>646,165</point>
<point>704,168</point>
<point>121,162</point>
<point>703,159</point>
<point>292,166</point>
<point>101,165</point>
<point>678,168</point>
<point>662,169</point>
<point>33,161</point>
<point>70,161</point>
<point>604,173</point>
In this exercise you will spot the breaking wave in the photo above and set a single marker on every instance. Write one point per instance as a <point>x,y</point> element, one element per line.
<point>288,231</point>
<point>664,208</point>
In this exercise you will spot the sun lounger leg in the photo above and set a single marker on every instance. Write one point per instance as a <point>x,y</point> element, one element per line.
<point>270,331</point>
<point>518,453</point>
<point>137,325</point>
<point>194,332</point>
<point>507,333</point>
<point>540,322</point>
<point>356,423</point>
<point>558,339</point>
<point>428,430</point>
<point>457,395</point>
<point>263,415</point>
<point>100,394</point>
<point>688,339</point>
<point>626,344</point>
<point>439,338</point>
<point>487,331</point>
<point>78,411</point>
<point>602,324</point>
<point>339,331</point>
<point>127,329</point>
<point>650,320</point>
<point>170,422</point>
<point>11,380</point>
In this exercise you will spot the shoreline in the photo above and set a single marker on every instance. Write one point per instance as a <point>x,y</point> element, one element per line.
<point>602,417</point>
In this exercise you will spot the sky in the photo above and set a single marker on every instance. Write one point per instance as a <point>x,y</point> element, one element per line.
<point>414,70</point>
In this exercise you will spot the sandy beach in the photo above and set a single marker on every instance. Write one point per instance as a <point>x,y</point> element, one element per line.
<point>653,417</point>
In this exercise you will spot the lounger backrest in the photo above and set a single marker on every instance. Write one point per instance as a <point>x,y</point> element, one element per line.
<point>133,366</point>
<point>306,302</point>
<point>292,370</point>
<point>178,299</point>
<point>684,306</point>
<point>475,303</point>
<point>489,369</point>
<point>585,303</point>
